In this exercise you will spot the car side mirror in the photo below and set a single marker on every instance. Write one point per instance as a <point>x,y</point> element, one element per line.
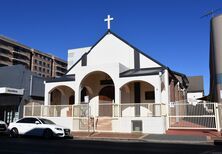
<point>37,122</point>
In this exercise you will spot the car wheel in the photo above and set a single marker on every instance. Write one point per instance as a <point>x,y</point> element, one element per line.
<point>48,134</point>
<point>14,132</point>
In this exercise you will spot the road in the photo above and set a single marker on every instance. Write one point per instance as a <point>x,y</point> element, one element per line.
<point>63,146</point>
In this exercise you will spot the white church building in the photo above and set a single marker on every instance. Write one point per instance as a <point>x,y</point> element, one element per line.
<point>113,87</point>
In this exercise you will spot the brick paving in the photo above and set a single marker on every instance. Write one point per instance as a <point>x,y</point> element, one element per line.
<point>185,136</point>
<point>209,133</point>
<point>107,135</point>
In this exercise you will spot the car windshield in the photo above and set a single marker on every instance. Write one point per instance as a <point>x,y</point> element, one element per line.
<point>46,121</point>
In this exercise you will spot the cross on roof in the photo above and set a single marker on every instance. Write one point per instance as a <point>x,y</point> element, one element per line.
<point>108,21</point>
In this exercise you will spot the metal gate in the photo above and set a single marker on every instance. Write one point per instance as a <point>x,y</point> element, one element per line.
<point>193,116</point>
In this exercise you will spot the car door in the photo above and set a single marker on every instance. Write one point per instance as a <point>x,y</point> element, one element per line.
<point>26,126</point>
<point>22,126</point>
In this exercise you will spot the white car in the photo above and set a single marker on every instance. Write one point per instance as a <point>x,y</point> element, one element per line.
<point>3,127</point>
<point>34,126</point>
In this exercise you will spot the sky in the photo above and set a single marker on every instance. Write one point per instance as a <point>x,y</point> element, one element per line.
<point>170,31</point>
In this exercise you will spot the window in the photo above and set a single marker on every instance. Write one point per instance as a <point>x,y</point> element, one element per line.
<point>36,61</point>
<point>40,63</point>
<point>40,69</point>
<point>43,63</point>
<point>35,67</point>
<point>137,126</point>
<point>46,121</point>
<point>28,120</point>
<point>43,70</point>
<point>149,95</point>
<point>48,65</point>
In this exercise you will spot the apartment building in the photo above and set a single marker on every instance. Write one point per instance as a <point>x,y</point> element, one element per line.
<point>45,65</point>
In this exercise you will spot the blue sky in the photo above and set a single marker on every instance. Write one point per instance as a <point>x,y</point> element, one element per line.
<point>170,31</point>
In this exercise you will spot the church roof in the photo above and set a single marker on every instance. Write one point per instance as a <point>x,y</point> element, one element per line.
<point>62,79</point>
<point>130,72</point>
<point>141,72</point>
<point>110,32</point>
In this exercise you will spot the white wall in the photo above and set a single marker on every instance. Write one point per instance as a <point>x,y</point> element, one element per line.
<point>147,63</point>
<point>50,86</point>
<point>62,121</point>
<point>112,50</point>
<point>193,96</point>
<point>75,54</point>
<point>151,125</point>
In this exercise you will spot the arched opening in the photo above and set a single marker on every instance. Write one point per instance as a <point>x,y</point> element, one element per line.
<point>107,93</point>
<point>135,96</point>
<point>106,96</point>
<point>55,97</point>
<point>85,92</point>
<point>137,92</point>
<point>99,88</point>
<point>71,100</point>
<point>62,95</point>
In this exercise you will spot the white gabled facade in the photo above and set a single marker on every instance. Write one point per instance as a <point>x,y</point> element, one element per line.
<point>121,84</point>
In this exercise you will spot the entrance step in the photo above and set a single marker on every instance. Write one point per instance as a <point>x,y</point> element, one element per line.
<point>103,124</point>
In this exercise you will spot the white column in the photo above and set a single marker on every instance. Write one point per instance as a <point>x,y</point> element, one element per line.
<point>47,97</point>
<point>117,95</point>
<point>77,95</point>
<point>116,109</point>
<point>166,77</point>
<point>157,89</point>
<point>160,93</point>
<point>48,102</point>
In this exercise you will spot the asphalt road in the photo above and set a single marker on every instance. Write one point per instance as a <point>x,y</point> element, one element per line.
<point>63,146</point>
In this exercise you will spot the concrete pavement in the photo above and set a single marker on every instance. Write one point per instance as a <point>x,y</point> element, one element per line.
<point>183,138</point>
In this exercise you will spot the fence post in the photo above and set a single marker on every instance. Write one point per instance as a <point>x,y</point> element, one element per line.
<point>24,110</point>
<point>161,110</point>
<point>41,111</point>
<point>73,110</point>
<point>217,120</point>
<point>119,110</point>
<point>54,111</point>
<point>32,109</point>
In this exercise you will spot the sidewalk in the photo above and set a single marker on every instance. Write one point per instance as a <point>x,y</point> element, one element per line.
<point>186,137</point>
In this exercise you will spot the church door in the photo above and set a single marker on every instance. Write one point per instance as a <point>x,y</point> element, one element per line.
<point>106,97</point>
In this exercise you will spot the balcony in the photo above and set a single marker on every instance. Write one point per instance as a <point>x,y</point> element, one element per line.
<point>6,56</point>
<point>23,54</point>
<point>20,61</point>
<point>5,48</point>
<point>61,66</point>
<point>60,72</point>
<point>5,63</point>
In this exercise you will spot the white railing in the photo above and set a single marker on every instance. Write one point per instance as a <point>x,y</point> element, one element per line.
<point>220,115</point>
<point>49,110</point>
<point>99,110</point>
<point>141,110</point>
<point>193,116</point>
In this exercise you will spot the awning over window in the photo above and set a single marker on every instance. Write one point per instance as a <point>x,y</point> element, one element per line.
<point>10,96</point>
<point>10,100</point>
<point>6,90</point>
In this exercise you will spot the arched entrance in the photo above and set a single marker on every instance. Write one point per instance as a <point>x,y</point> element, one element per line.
<point>107,93</point>
<point>135,96</point>
<point>62,95</point>
<point>106,96</point>
<point>137,92</point>
<point>98,86</point>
